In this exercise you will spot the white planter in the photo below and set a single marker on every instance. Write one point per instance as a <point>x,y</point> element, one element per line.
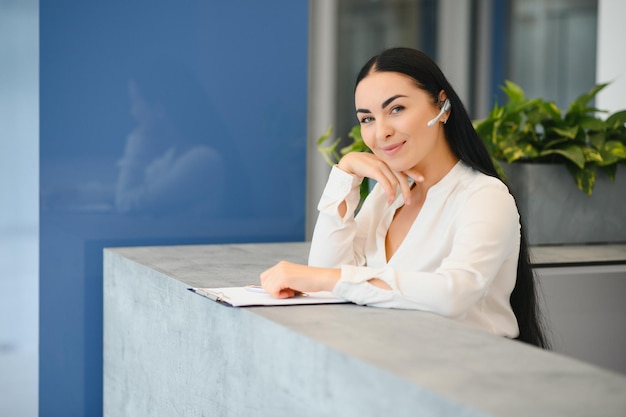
<point>556,212</point>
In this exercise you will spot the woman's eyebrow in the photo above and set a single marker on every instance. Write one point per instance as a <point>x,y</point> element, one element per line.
<point>385,103</point>
<point>391,99</point>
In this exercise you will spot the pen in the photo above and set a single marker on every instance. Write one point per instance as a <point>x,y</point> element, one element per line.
<point>259,289</point>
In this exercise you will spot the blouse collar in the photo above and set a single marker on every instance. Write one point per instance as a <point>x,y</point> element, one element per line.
<point>449,181</point>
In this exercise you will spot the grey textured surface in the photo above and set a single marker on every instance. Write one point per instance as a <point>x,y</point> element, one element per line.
<point>585,312</point>
<point>581,255</point>
<point>557,212</point>
<point>168,351</point>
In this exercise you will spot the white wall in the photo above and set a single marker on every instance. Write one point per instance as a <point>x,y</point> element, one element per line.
<point>19,207</point>
<point>19,140</point>
<point>611,59</point>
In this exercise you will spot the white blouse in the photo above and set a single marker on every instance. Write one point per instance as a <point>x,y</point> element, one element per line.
<point>459,258</point>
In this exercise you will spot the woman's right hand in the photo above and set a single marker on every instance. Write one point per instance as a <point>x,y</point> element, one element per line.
<point>368,165</point>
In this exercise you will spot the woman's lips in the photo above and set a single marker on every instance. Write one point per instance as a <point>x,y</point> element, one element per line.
<point>392,149</point>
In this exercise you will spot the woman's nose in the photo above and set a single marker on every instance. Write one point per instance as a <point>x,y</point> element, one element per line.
<point>384,130</point>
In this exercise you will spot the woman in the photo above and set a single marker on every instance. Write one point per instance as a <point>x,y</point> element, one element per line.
<point>439,232</point>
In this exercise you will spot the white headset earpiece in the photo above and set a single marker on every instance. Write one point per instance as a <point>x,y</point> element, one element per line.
<point>444,108</point>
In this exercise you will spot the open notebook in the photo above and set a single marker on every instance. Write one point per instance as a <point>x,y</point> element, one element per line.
<point>254,296</point>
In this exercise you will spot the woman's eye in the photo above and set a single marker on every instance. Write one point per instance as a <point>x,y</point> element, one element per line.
<point>397,109</point>
<point>366,119</point>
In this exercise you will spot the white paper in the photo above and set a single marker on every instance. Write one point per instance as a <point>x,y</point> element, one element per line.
<point>244,296</point>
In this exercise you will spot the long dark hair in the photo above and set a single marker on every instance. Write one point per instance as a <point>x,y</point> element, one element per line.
<point>468,147</point>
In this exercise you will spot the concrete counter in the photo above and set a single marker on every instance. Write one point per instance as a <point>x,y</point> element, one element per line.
<point>170,352</point>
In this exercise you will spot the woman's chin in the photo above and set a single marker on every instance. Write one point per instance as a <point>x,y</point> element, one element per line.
<point>397,166</point>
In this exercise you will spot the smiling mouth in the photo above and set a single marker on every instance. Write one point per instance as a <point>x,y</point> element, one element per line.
<point>392,149</point>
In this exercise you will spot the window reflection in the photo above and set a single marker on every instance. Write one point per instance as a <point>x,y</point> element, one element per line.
<point>553,47</point>
<point>176,154</point>
<point>174,158</point>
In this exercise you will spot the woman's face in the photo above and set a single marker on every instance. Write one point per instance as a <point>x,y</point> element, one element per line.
<point>394,115</point>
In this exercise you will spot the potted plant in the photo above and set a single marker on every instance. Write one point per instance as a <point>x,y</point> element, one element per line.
<point>539,149</point>
<point>534,130</point>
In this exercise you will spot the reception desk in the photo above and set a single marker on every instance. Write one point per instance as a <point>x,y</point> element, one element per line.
<point>171,352</point>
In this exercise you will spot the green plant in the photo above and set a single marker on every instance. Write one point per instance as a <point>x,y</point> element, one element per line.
<point>332,153</point>
<point>534,130</point>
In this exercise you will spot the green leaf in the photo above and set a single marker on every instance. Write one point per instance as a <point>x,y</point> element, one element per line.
<point>513,91</point>
<point>569,132</point>
<point>330,152</point>
<point>616,120</point>
<point>597,139</point>
<point>496,112</point>
<point>552,109</point>
<point>364,190</point>
<point>517,109</point>
<point>325,136</point>
<point>522,150</point>
<point>585,178</point>
<point>592,155</point>
<point>610,170</point>
<point>355,133</point>
<point>612,152</point>
<point>553,143</point>
<point>573,153</point>
<point>608,158</point>
<point>592,123</point>
<point>615,148</point>
<point>579,105</point>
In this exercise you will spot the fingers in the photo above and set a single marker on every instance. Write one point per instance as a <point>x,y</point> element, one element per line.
<point>405,187</point>
<point>275,281</point>
<point>388,180</point>
<point>415,175</point>
<point>367,165</point>
<point>268,278</point>
<point>284,293</point>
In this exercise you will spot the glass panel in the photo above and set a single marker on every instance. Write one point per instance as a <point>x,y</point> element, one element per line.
<point>161,123</point>
<point>553,48</point>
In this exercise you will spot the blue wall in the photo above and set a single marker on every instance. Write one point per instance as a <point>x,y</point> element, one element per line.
<point>162,122</point>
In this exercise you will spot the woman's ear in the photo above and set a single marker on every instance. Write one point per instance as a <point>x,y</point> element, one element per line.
<point>442,98</point>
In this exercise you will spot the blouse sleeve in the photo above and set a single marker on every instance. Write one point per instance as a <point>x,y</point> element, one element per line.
<point>336,240</point>
<point>485,235</point>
